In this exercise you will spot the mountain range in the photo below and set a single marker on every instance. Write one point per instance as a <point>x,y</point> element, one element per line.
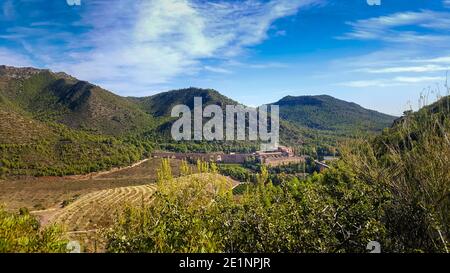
<point>63,116</point>
<point>327,113</point>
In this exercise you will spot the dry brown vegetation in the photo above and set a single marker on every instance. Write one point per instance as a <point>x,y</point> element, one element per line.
<point>45,193</point>
<point>97,209</point>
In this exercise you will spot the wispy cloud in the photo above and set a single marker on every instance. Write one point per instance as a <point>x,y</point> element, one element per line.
<point>14,59</point>
<point>135,45</point>
<point>253,65</point>
<point>419,79</point>
<point>217,69</point>
<point>446,3</point>
<point>390,82</point>
<point>394,28</point>
<point>440,60</point>
<point>402,69</point>
<point>413,49</point>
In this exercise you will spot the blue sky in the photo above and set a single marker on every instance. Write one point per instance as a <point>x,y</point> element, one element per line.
<point>255,51</point>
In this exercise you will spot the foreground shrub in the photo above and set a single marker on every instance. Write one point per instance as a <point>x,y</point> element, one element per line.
<point>199,214</point>
<point>22,233</point>
<point>394,189</point>
<point>177,220</point>
<point>411,161</point>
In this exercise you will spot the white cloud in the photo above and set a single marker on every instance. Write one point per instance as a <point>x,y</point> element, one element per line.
<point>446,3</point>
<point>217,69</point>
<point>419,79</point>
<point>147,43</point>
<point>8,57</point>
<point>440,60</point>
<point>261,65</point>
<point>402,69</point>
<point>397,81</point>
<point>413,47</point>
<point>389,28</point>
<point>135,46</point>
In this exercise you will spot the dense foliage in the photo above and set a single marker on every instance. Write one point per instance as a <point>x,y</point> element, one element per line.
<point>22,233</point>
<point>394,190</point>
<point>69,152</point>
<point>308,216</point>
<point>330,114</point>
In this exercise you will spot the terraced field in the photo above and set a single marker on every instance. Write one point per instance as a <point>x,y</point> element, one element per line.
<point>97,209</point>
<point>49,193</point>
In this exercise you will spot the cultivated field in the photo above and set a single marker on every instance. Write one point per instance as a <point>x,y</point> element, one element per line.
<point>50,193</point>
<point>97,209</point>
<point>86,218</point>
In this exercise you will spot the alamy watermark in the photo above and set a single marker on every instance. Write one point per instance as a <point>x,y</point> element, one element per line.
<point>73,247</point>
<point>232,126</point>
<point>374,247</point>
<point>73,2</point>
<point>374,2</point>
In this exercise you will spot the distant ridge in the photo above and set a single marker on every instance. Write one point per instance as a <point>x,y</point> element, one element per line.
<point>324,112</point>
<point>162,103</point>
<point>58,97</point>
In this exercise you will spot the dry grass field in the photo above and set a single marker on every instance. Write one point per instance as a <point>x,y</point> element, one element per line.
<point>97,209</point>
<point>50,193</point>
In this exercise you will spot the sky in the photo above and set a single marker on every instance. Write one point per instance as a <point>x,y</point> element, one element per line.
<point>383,57</point>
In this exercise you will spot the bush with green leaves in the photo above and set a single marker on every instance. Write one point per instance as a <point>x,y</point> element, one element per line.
<point>198,213</point>
<point>411,161</point>
<point>394,189</point>
<point>22,233</point>
<point>177,220</point>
